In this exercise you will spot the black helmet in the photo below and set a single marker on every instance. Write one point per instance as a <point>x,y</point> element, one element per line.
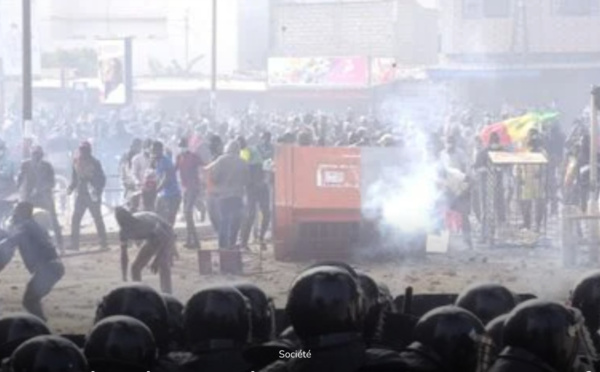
<point>120,343</point>
<point>495,330</point>
<point>263,312</point>
<point>48,354</point>
<point>487,301</point>
<point>175,310</point>
<point>142,303</point>
<point>217,318</point>
<point>18,328</point>
<point>453,336</point>
<point>338,264</point>
<point>586,297</point>
<point>547,330</point>
<point>325,300</point>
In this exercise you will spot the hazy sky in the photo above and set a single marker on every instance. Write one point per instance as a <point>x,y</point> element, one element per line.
<point>429,3</point>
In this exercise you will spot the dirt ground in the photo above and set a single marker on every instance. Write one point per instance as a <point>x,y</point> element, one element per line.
<point>70,306</point>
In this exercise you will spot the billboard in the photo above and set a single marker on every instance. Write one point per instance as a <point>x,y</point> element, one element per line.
<point>11,38</point>
<point>319,72</point>
<point>115,73</point>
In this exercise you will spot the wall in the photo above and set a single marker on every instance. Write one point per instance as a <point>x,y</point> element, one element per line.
<point>390,28</point>
<point>547,30</point>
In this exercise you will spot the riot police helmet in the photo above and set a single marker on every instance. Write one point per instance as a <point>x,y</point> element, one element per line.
<point>48,354</point>
<point>454,337</point>
<point>487,301</point>
<point>217,318</point>
<point>548,330</point>
<point>585,296</point>
<point>142,303</point>
<point>18,328</point>
<point>325,301</point>
<point>120,343</point>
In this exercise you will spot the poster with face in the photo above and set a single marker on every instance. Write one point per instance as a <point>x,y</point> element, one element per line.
<point>113,58</point>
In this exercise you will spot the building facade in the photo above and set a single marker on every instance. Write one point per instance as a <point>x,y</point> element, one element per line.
<point>521,52</point>
<point>543,30</point>
<point>400,29</point>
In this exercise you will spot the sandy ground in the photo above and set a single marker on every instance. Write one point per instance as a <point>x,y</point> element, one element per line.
<point>70,306</point>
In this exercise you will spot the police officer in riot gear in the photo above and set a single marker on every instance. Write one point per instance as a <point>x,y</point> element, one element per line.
<point>140,302</point>
<point>586,297</point>
<point>217,328</point>
<point>18,328</point>
<point>175,311</point>
<point>447,339</point>
<point>326,307</point>
<point>487,301</point>
<point>48,354</point>
<point>121,344</point>
<point>540,336</point>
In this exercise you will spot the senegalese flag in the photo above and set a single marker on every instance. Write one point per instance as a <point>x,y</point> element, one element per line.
<point>513,132</point>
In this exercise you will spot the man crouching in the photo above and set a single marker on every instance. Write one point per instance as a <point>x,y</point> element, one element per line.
<point>38,253</point>
<point>158,239</point>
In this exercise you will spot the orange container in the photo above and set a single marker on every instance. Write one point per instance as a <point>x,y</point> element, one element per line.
<point>317,201</point>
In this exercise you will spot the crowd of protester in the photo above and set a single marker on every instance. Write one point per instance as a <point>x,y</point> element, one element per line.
<point>223,170</point>
<point>335,318</point>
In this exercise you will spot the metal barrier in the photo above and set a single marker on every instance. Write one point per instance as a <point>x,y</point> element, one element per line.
<point>514,200</point>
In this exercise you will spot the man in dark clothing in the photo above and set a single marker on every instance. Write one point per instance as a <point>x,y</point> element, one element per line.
<point>36,183</point>
<point>257,196</point>
<point>38,253</point>
<point>159,242</point>
<point>88,182</point>
<point>169,194</point>
<point>188,166</point>
<point>229,174</point>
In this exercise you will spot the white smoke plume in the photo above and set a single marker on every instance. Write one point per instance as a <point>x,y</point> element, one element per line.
<point>406,199</point>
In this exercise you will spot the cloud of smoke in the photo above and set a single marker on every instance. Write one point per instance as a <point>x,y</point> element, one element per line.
<point>404,196</point>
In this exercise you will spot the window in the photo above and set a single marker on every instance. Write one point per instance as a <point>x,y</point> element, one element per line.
<point>577,7</point>
<point>486,8</point>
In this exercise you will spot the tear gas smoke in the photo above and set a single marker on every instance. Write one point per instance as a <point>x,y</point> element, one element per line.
<point>405,198</point>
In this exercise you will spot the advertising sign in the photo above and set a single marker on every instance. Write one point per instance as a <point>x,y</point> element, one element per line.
<point>319,72</point>
<point>114,69</point>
